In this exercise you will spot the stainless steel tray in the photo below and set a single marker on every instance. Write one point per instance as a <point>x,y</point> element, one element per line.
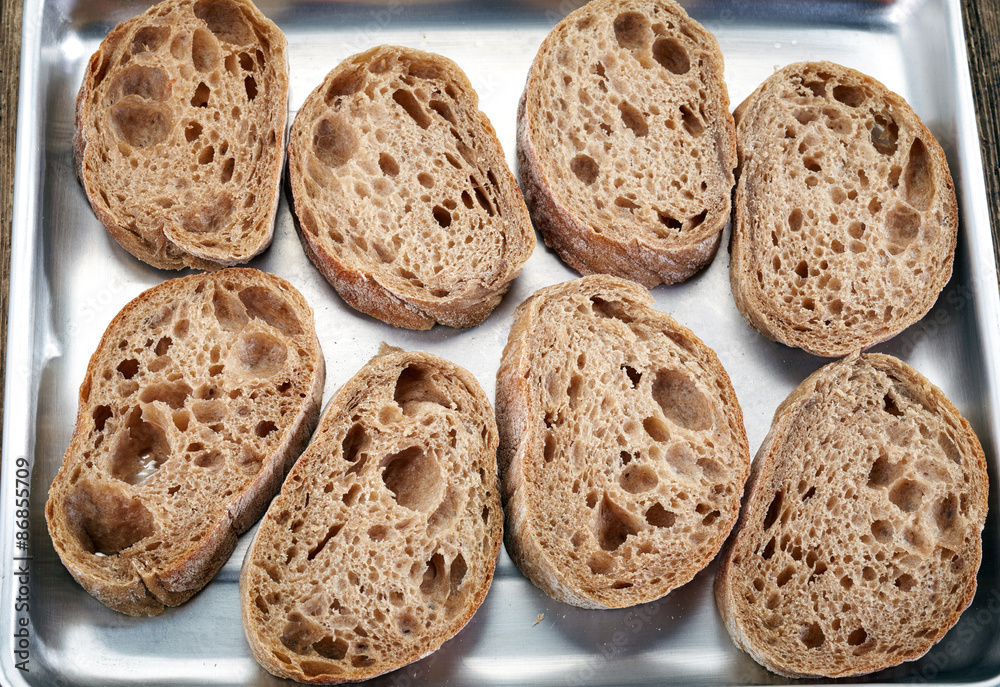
<point>68,278</point>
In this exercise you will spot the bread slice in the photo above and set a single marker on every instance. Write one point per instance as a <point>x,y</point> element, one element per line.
<point>180,132</point>
<point>859,541</point>
<point>625,144</point>
<point>845,223</point>
<point>622,449</point>
<point>383,541</point>
<point>404,199</point>
<point>200,395</point>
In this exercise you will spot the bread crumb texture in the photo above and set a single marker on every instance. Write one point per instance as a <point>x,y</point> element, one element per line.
<point>383,541</point>
<point>402,192</point>
<point>846,218</point>
<point>625,141</point>
<point>861,536</point>
<point>201,393</point>
<point>623,452</point>
<point>180,132</point>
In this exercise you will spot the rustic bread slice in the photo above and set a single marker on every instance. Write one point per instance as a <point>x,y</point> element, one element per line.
<point>625,144</point>
<point>180,132</point>
<point>622,449</point>
<point>383,541</point>
<point>859,541</point>
<point>846,220</point>
<point>402,193</point>
<point>200,395</point>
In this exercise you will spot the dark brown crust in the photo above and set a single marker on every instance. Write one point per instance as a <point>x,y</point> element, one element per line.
<point>760,492</point>
<point>373,288</point>
<point>522,430</point>
<point>783,323</point>
<point>382,370</point>
<point>168,250</point>
<point>576,242</point>
<point>146,591</point>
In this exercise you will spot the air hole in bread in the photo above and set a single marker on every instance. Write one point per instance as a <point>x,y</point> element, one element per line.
<point>773,510</point>
<point>681,401</point>
<point>140,124</point>
<point>692,122</point>
<point>226,175</point>
<point>656,429</point>
<point>481,196</point>
<point>415,386</point>
<point>441,216</point>
<point>300,632</point>
<point>852,96</point>
<point>101,414</point>
<point>633,119</point>
<point>884,133</point>
<point>149,83</point>
<point>331,532</point>
<point>345,84</point>
<point>434,581</point>
<point>812,636</point>
<point>264,304</point>
<point>201,95</point>
<point>210,459</point>
<point>206,156</point>
<point>585,168</point>
<point>205,51</point>
<point>264,428</point>
<point>632,30</point>
<point>387,163</point>
<point>907,495</point>
<point>149,39</point>
<point>948,446</point>
<point>883,472</point>
<point>637,478</point>
<point>106,519</point>
<point>413,477</point>
<point>600,563</point>
<point>946,515</point>
<point>228,311</point>
<point>250,86</point>
<point>671,55</point>
<point>225,20</point>
<point>173,394</point>
<point>444,111</point>
<point>902,225</point>
<point>883,531</point>
<point>139,451</point>
<point>260,354</point>
<point>405,99</point>
<point>889,406</point>
<point>614,525</point>
<point>334,141</point>
<point>192,132</point>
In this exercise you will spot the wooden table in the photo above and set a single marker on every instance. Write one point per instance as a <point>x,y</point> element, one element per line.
<point>982,20</point>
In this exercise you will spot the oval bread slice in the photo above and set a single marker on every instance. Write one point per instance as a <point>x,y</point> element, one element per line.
<point>626,147</point>
<point>622,449</point>
<point>403,196</point>
<point>200,395</point>
<point>846,221</point>
<point>180,132</point>
<point>860,538</point>
<point>383,541</point>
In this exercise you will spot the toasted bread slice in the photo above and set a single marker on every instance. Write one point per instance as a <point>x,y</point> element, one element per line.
<point>199,397</point>
<point>403,197</point>
<point>622,449</point>
<point>625,144</point>
<point>383,541</point>
<point>846,221</point>
<point>180,132</point>
<point>859,541</point>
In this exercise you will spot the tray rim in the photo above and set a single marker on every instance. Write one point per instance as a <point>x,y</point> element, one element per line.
<point>21,397</point>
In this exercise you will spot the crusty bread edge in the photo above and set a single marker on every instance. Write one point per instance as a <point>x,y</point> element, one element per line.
<point>387,356</point>
<point>757,490</point>
<point>153,591</point>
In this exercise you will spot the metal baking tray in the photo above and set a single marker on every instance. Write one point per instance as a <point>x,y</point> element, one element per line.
<point>68,279</point>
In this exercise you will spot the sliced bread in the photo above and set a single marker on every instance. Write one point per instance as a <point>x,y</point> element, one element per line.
<point>622,448</point>
<point>383,541</point>
<point>403,197</point>
<point>180,132</point>
<point>859,541</point>
<point>846,221</point>
<point>625,144</point>
<point>199,397</point>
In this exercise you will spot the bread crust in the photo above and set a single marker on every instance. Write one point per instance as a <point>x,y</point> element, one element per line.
<point>671,241</point>
<point>869,243</point>
<point>137,143</point>
<point>403,249</point>
<point>384,539</point>
<point>163,471</point>
<point>614,510</point>
<point>831,619</point>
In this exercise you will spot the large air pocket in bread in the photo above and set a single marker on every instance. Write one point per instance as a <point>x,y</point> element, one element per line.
<point>859,541</point>
<point>383,541</point>
<point>200,395</point>
<point>625,144</point>
<point>622,448</point>
<point>403,196</point>
<point>180,132</point>
<point>845,215</point>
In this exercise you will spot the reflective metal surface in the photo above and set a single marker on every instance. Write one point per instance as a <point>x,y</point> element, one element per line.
<point>69,278</point>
